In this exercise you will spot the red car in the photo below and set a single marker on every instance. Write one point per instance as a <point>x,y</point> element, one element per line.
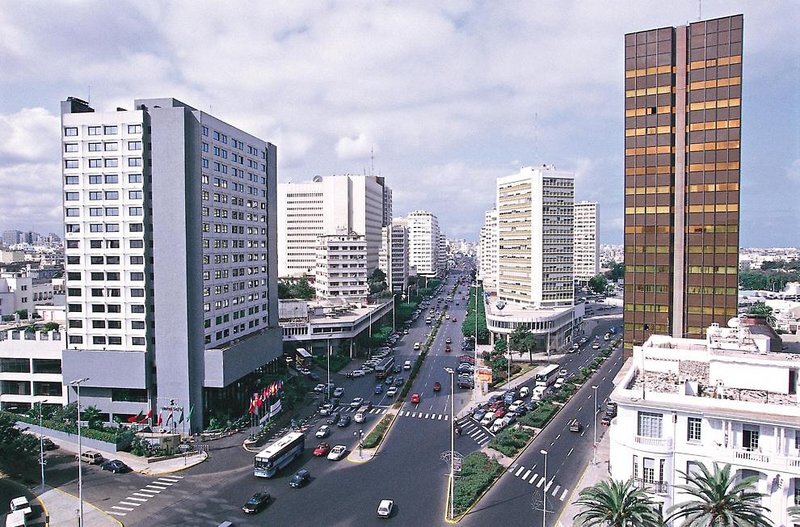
<point>496,405</point>
<point>322,449</point>
<point>500,412</point>
<point>437,387</point>
<point>605,421</point>
<point>447,348</point>
<point>466,358</point>
<point>415,398</point>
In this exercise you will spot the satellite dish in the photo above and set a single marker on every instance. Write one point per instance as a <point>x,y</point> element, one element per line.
<point>317,179</point>
<point>500,305</point>
<point>733,323</point>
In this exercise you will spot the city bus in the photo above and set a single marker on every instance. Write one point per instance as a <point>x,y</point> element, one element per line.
<point>384,367</point>
<point>303,358</point>
<point>269,461</point>
<point>548,375</point>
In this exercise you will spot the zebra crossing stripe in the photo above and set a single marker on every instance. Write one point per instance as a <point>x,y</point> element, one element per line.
<point>150,490</point>
<point>426,416</point>
<point>408,413</point>
<point>539,485</point>
<point>440,417</point>
<point>547,487</point>
<point>447,418</point>
<point>136,499</point>
<point>555,490</point>
<point>525,477</point>
<point>519,471</point>
<point>159,486</point>
<point>130,504</point>
<point>115,513</point>
<point>142,495</point>
<point>419,416</point>
<point>126,509</point>
<point>533,479</point>
<point>170,479</point>
<point>167,483</point>
<point>563,495</point>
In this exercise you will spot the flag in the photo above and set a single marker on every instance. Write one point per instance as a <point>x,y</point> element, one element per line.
<point>159,419</point>
<point>169,417</point>
<point>146,417</point>
<point>265,393</point>
<point>136,418</point>
<point>181,418</point>
<point>259,402</point>
<point>252,409</point>
<point>191,411</point>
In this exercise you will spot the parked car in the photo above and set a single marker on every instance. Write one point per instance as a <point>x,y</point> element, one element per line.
<point>385,508</point>
<point>606,420</point>
<point>500,412</point>
<point>515,405</point>
<point>116,466</point>
<point>437,387</point>
<point>523,392</point>
<point>488,419</point>
<point>257,503</point>
<point>563,372</point>
<point>337,452</point>
<point>497,425</point>
<point>300,478</point>
<point>322,449</point>
<point>323,431</point>
<point>415,398</point>
<point>478,414</point>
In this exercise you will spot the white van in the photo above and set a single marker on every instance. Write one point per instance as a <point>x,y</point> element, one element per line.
<point>91,457</point>
<point>523,392</point>
<point>16,519</point>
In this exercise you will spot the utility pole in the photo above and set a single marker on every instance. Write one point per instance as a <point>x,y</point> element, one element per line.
<point>77,383</point>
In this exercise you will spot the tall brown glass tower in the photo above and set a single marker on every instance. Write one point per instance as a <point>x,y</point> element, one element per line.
<point>683,90</point>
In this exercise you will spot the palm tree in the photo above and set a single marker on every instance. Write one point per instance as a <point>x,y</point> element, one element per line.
<point>717,500</point>
<point>614,503</point>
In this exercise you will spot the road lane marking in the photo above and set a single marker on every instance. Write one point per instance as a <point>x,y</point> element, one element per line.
<point>115,513</point>
<point>160,486</point>
<point>533,479</point>
<point>539,485</point>
<point>142,495</point>
<point>525,477</point>
<point>167,483</point>
<point>137,499</point>
<point>558,436</point>
<point>570,451</point>
<point>555,491</point>
<point>130,503</point>
<point>426,416</point>
<point>519,471</point>
<point>126,509</point>
<point>547,487</point>
<point>563,495</point>
<point>153,491</point>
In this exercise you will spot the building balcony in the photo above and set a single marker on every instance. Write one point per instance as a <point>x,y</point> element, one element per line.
<point>663,443</point>
<point>654,487</point>
<point>759,459</point>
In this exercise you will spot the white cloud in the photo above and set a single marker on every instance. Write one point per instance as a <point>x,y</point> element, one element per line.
<point>358,147</point>
<point>30,134</point>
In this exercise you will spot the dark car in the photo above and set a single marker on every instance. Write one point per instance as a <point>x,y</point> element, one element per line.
<point>399,380</point>
<point>47,444</point>
<point>257,503</point>
<point>437,387</point>
<point>334,417</point>
<point>378,389</point>
<point>344,421</point>
<point>116,466</point>
<point>314,376</point>
<point>300,478</point>
<point>398,368</point>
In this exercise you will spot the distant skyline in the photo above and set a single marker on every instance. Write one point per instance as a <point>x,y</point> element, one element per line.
<point>448,95</point>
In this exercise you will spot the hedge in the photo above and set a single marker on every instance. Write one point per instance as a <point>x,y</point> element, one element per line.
<point>511,440</point>
<point>91,433</point>
<point>374,438</point>
<point>540,416</point>
<point>477,473</point>
<point>337,361</point>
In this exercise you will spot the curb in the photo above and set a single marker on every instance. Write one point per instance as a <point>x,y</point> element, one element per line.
<point>203,455</point>
<point>101,511</point>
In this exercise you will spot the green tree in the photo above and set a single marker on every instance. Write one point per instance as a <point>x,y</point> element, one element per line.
<point>616,271</point>
<point>284,290</point>
<point>762,309</point>
<point>598,284</point>
<point>303,289</point>
<point>523,341</point>
<point>51,326</point>
<point>16,449</point>
<point>23,314</point>
<point>717,500</point>
<point>377,281</point>
<point>616,504</point>
<point>92,417</point>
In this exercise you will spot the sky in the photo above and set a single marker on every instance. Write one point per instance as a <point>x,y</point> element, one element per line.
<point>440,97</point>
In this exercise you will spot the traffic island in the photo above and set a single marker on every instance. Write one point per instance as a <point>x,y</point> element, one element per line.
<point>478,473</point>
<point>372,442</point>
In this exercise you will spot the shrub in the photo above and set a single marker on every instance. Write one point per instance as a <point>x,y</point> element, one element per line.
<point>511,440</point>
<point>374,438</point>
<point>337,361</point>
<point>477,473</point>
<point>540,416</point>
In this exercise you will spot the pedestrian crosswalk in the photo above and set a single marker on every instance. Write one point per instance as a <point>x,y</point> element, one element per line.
<point>424,415</point>
<point>476,432</point>
<point>141,496</point>
<point>350,410</point>
<point>529,476</point>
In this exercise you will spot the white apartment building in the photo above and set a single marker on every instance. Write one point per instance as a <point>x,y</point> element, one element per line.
<point>325,206</point>
<point>731,398</point>
<point>341,269</point>
<point>170,244</point>
<point>487,261</point>
<point>443,255</point>
<point>423,242</point>
<point>534,256</point>
<point>394,255</point>
<point>586,248</point>
<point>18,291</point>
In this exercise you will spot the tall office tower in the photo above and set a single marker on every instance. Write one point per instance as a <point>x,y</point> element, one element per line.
<point>442,255</point>
<point>682,151</point>
<point>171,275</point>
<point>423,242</point>
<point>325,206</point>
<point>586,248</point>
<point>341,270</point>
<point>394,255</point>
<point>12,237</point>
<point>387,202</point>
<point>534,225</point>
<point>487,262</point>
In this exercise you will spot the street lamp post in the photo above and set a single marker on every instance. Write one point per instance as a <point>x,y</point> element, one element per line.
<point>594,425</point>
<point>451,372</point>
<point>328,386</point>
<point>360,435</point>
<point>41,441</point>
<point>544,489</point>
<point>77,383</point>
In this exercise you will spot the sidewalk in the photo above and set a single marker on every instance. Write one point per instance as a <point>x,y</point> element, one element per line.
<point>62,511</point>
<point>592,474</point>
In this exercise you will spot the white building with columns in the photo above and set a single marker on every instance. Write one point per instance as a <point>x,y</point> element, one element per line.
<point>726,399</point>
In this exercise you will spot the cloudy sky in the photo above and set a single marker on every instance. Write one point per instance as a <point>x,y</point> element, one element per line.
<point>449,95</point>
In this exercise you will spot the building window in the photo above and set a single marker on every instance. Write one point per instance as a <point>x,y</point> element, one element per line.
<point>110,163</point>
<point>134,129</point>
<point>135,211</point>
<point>112,194</point>
<point>71,196</point>
<point>94,130</point>
<point>135,194</point>
<point>693,427</point>
<point>134,161</point>
<point>134,145</point>
<point>95,163</point>
<point>649,424</point>
<point>109,130</point>
<point>137,341</point>
<point>95,196</point>
<point>112,179</point>
<point>71,180</point>
<point>73,212</point>
<point>95,180</point>
<point>70,147</point>
<point>750,435</point>
<point>70,163</point>
<point>70,131</point>
<point>134,178</point>
<point>115,341</point>
<point>110,147</point>
<point>95,147</point>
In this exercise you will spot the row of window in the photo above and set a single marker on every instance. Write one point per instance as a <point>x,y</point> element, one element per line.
<point>107,244</point>
<point>112,146</point>
<point>74,212</point>
<point>105,308</point>
<point>108,179</point>
<point>72,228</point>
<point>72,131</point>
<point>97,195</point>
<point>102,340</point>
<point>109,162</point>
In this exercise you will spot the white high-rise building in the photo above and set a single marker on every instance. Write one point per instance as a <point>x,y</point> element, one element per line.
<point>534,257</point>
<point>423,242</point>
<point>341,270</point>
<point>487,261</point>
<point>325,206</point>
<point>731,398</point>
<point>586,248</point>
<point>394,255</point>
<point>442,255</point>
<point>534,225</point>
<point>170,244</point>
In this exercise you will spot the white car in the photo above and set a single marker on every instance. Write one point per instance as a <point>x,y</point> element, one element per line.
<point>355,403</point>
<point>385,508</point>
<point>319,388</point>
<point>323,431</point>
<point>595,346</point>
<point>358,373</point>
<point>337,452</point>
<point>326,409</point>
<point>487,419</point>
<point>563,372</point>
<point>515,405</point>
<point>391,392</point>
<point>360,417</point>
<point>338,392</point>
<point>559,383</point>
<point>498,425</point>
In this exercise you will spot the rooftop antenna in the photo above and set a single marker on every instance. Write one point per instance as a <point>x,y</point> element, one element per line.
<point>89,97</point>
<point>372,161</point>
<point>699,10</point>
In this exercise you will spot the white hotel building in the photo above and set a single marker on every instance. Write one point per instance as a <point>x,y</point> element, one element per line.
<point>731,398</point>
<point>423,242</point>
<point>325,206</point>
<point>341,270</point>
<point>586,250</point>
<point>171,268</point>
<point>394,255</point>
<point>487,259</point>
<point>534,257</point>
